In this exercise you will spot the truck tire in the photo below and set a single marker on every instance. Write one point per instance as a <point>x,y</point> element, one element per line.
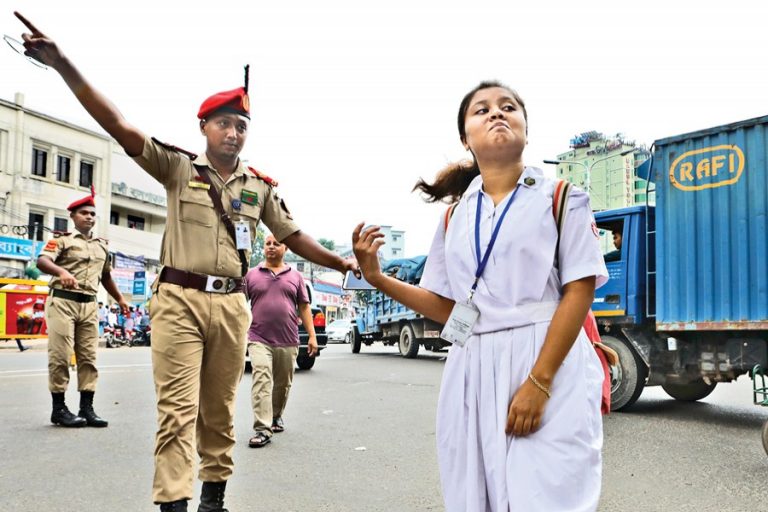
<point>765,437</point>
<point>689,392</point>
<point>628,378</point>
<point>305,362</point>
<point>409,345</point>
<point>356,342</point>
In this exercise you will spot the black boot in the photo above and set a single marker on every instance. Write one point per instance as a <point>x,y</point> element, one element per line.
<point>212,497</point>
<point>174,506</point>
<point>87,412</point>
<point>62,416</point>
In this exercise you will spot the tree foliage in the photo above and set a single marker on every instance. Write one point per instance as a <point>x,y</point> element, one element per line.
<point>328,244</point>
<point>258,247</point>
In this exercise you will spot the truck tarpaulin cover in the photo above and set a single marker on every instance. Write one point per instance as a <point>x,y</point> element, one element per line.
<point>409,270</point>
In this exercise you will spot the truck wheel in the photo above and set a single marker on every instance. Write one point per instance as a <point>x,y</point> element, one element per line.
<point>765,437</point>
<point>409,345</point>
<point>628,377</point>
<point>689,392</point>
<point>305,362</point>
<point>356,342</point>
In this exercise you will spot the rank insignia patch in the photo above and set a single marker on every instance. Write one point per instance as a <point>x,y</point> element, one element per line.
<point>198,184</point>
<point>50,246</point>
<point>249,197</point>
<point>529,181</point>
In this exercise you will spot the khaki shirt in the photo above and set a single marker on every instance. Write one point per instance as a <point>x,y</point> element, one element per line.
<point>87,259</point>
<point>195,238</point>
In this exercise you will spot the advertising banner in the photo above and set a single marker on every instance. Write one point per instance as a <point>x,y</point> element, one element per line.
<point>22,309</point>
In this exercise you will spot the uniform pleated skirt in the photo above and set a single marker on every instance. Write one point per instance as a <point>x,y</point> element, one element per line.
<point>557,468</point>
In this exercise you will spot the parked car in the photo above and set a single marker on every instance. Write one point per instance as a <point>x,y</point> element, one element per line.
<point>339,330</point>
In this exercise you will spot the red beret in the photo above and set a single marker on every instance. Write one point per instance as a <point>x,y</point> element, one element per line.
<point>235,101</point>
<point>86,201</point>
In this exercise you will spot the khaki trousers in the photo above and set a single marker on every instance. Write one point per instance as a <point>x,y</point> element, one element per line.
<point>72,327</point>
<point>272,378</point>
<point>198,356</point>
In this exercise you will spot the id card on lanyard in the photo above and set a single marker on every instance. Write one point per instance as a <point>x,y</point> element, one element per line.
<point>464,315</point>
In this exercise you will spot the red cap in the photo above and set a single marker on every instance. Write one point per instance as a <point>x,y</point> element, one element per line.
<point>86,201</point>
<point>235,101</point>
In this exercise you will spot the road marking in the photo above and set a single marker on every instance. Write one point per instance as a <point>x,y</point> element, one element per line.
<point>36,372</point>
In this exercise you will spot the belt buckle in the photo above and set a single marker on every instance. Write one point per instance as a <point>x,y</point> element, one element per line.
<point>216,284</point>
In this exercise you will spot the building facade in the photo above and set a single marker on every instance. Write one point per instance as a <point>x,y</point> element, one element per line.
<point>605,166</point>
<point>45,164</point>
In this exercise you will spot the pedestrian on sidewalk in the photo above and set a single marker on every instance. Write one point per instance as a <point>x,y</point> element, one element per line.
<point>78,262</point>
<point>102,309</point>
<point>518,417</point>
<point>276,292</point>
<point>200,317</point>
<point>21,346</point>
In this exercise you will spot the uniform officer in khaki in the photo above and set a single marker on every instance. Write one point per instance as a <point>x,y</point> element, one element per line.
<point>199,313</point>
<point>78,262</point>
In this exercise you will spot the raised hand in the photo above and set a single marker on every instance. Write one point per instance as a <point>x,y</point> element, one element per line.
<point>366,244</point>
<point>39,46</point>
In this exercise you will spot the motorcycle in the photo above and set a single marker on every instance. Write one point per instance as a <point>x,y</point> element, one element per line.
<point>114,338</point>
<point>142,336</point>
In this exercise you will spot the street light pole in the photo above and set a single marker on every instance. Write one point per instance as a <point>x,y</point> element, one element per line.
<point>588,169</point>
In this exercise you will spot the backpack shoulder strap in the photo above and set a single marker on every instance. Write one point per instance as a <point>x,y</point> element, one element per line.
<point>559,208</point>
<point>449,214</point>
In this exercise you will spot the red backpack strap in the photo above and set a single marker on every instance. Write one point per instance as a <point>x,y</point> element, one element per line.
<point>559,208</point>
<point>449,214</point>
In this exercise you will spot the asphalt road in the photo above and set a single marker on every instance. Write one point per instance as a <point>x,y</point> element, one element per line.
<point>359,437</point>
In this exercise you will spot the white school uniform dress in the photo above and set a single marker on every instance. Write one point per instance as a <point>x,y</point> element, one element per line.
<point>557,468</point>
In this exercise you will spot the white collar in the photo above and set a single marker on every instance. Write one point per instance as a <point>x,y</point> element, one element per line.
<point>530,178</point>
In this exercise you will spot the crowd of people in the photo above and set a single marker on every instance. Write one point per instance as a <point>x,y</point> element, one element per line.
<point>112,317</point>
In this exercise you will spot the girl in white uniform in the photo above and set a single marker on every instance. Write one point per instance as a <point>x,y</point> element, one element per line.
<point>518,421</point>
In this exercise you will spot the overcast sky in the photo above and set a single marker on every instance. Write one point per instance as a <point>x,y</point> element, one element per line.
<point>353,101</point>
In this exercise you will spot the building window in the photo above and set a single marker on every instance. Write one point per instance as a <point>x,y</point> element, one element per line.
<point>136,222</point>
<point>35,226</point>
<point>60,223</point>
<point>62,168</point>
<point>86,174</point>
<point>114,218</point>
<point>39,162</point>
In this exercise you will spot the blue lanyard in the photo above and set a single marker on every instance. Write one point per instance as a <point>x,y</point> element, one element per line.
<point>482,262</point>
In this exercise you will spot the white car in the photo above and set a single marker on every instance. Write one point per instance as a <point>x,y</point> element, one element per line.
<point>340,330</point>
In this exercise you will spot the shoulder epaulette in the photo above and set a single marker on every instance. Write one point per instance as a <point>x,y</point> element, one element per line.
<point>100,239</point>
<point>57,234</point>
<point>263,177</point>
<point>177,149</point>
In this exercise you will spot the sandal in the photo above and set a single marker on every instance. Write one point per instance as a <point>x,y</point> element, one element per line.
<point>278,425</point>
<point>259,440</point>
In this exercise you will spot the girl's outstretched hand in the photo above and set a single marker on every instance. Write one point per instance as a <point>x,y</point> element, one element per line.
<point>365,244</point>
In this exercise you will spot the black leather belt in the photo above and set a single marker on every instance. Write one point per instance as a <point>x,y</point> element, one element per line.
<point>77,297</point>
<point>202,282</point>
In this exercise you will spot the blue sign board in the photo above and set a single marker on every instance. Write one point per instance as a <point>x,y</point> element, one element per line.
<point>19,248</point>
<point>139,287</point>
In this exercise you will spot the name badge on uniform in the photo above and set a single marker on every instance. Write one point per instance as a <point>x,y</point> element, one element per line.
<point>242,235</point>
<point>459,326</point>
<point>199,184</point>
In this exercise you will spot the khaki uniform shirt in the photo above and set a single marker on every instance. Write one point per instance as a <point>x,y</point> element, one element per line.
<point>195,238</point>
<point>87,259</point>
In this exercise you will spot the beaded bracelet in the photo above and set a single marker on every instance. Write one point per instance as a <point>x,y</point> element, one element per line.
<point>539,385</point>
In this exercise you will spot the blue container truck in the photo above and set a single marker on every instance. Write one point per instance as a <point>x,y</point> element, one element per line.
<point>686,305</point>
<point>386,320</point>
